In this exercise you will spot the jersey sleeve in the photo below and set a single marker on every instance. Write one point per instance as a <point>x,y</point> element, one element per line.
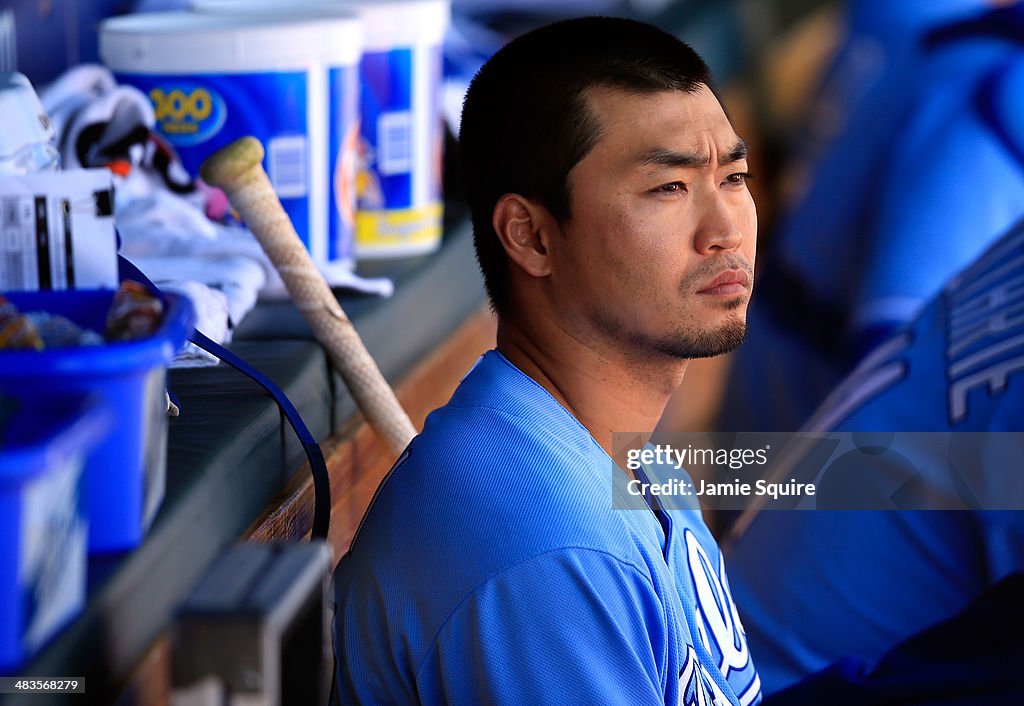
<point>572,626</point>
<point>934,220</point>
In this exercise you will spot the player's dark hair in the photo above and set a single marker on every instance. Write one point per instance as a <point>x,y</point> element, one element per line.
<point>526,122</point>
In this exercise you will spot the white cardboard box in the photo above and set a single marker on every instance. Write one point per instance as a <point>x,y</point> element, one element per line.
<point>57,231</point>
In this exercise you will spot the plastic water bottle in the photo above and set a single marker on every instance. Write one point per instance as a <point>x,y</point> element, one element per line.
<point>27,137</point>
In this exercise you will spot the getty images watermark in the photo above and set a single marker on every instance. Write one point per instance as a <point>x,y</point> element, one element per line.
<point>823,471</point>
<point>734,459</point>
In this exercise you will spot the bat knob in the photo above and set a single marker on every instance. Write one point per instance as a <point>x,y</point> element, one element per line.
<point>229,166</point>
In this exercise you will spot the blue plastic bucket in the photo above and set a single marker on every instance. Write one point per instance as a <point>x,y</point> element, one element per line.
<point>43,519</point>
<point>125,474</point>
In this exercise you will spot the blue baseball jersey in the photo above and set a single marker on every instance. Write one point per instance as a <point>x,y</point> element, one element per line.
<point>817,586</point>
<point>927,172</point>
<point>502,560</point>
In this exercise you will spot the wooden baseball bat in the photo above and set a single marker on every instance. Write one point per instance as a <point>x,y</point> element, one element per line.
<point>237,169</point>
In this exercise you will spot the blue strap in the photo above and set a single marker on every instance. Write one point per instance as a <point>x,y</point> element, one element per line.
<point>317,464</point>
<point>174,398</point>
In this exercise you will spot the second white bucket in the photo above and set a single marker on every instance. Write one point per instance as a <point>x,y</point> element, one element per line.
<point>398,185</point>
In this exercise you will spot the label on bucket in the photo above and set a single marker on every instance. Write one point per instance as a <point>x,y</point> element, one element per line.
<point>51,564</point>
<point>403,231</point>
<point>385,151</point>
<point>399,182</point>
<point>343,135</point>
<point>199,114</point>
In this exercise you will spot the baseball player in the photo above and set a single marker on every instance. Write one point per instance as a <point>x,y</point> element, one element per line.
<point>504,559</point>
<point>819,585</point>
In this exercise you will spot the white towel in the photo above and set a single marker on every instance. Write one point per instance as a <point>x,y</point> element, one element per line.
<point>212,319</point>
<point>160,223</point>
<point>238,278</point>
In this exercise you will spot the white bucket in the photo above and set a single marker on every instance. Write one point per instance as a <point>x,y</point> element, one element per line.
<point>402,139</point>
<point>291,83</point>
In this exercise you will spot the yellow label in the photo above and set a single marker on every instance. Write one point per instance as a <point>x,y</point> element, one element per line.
<point>186,112</point>
<point>177,105</point>
<point>399,227</point>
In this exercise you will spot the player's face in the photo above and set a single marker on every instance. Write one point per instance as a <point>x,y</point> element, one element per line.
<point>658,253</point>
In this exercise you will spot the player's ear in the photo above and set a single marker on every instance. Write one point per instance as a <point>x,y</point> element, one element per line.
<point>524,228</point>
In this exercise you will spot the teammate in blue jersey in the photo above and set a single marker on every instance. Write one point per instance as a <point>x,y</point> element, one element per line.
<point>927,171</point>
<point>503,559</point>
<point>821,585</point>
<point>966,127</point>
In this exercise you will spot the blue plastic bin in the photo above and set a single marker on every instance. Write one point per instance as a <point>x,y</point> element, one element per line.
<point>43,520</point>
<point>125,474</point>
